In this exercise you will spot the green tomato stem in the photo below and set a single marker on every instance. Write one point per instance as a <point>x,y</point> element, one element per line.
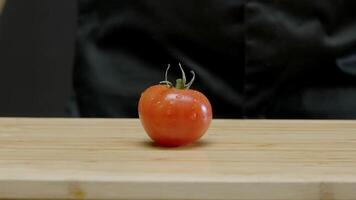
<point>180,84</point>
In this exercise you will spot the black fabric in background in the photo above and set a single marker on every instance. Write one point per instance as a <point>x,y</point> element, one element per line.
<point>36,57</point>
<point>301,59</point>
<point>125,46</point>
<point>253,59</point>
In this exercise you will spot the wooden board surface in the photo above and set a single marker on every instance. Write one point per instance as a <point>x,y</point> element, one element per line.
<point>237,159</point>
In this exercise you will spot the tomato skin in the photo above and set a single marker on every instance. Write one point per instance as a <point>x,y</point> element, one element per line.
<point>174,117</point>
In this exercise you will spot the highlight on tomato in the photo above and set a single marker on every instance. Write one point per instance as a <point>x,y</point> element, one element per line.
<point>174,115</point>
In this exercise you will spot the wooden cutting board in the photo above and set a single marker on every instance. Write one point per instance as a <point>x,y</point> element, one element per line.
<point>237,159</point>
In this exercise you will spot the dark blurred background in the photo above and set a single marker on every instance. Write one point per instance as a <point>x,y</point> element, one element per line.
<point>253,58</point>
<point>36,57</point>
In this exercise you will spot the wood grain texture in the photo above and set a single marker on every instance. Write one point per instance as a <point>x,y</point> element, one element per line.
<point>237,159</point>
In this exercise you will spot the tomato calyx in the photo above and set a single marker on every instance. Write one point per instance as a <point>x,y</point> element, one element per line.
<point>181,83</point>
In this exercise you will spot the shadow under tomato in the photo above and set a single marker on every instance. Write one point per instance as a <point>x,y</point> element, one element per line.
<point>198,144</point>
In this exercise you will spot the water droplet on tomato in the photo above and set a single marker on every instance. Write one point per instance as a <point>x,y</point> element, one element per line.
<point>158,102</point>
<point>195,100</point>
<point>179,96</point>
<point>169,112</point>
<point>193,116</point>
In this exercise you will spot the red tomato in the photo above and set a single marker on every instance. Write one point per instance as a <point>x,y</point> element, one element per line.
<point>174,117</point>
